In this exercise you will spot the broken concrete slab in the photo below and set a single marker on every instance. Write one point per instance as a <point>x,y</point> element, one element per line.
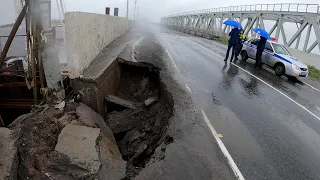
<point>84,152</point>
<point>150,101</point>
<point>100,78</point>
<point>78,145</point>
<point>114,171</point>
<point>113,165</point>
<point>121,102</point>
<point>8,155</point>
<point>92,119</point>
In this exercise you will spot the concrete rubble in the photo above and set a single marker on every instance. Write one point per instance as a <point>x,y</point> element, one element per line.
<point>127,105</point>
<point>150,101</point>
<point>100,158</point>
<point>74,143</point>
<point>71,143</point>
<point>120,101</point>
<point>8,155</point>
<point>90,118</point>
<point>95,160</point>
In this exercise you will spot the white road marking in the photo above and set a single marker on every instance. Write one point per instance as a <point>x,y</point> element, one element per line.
<point>264,83</point>
<point>279,92</point>
<point>172,59</point>
<point>223,148</point>
<point>206,48</point>
<point>220,135</point>
<point>168,54</point>
<point>222,57</point>
<point>310,86</point>
<point>188,88</point>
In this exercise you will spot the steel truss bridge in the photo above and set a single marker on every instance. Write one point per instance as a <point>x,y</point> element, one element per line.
<point>209,22</point>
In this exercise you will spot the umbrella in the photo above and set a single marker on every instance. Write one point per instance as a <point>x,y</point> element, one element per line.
<point>233,23</point>
<point>262,32</point>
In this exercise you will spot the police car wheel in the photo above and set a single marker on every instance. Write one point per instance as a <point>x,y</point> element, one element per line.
<point>279,69</point>
<point>244,55</point>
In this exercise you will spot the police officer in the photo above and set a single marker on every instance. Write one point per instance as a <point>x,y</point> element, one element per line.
<point>260,47</point>
<point>241,40</point>
<point>232,43</point>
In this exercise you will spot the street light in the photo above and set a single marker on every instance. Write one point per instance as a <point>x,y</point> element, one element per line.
<point>135,9</point>
<point>127,9</point>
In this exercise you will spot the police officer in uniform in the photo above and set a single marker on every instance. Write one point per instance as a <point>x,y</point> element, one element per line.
<point>241,40</point>
<point>260,47</point>
<point>232,43</point>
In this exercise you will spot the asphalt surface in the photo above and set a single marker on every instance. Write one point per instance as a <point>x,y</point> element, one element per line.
<point>194,153</point>
<point>270,135</point>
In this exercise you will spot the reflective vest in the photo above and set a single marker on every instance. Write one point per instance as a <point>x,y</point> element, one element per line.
<point>243,36</point>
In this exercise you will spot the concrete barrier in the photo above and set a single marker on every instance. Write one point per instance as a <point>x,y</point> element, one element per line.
<point>87,35</point>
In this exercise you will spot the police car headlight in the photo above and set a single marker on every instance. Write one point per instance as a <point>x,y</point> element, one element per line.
<point>294,66</point>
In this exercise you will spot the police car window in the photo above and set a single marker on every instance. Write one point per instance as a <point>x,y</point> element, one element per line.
<point>279,49</point>
<point>268,47</point>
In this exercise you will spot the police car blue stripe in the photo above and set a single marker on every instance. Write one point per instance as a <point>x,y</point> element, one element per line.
<point>282,58</point>
<point>273,54</point>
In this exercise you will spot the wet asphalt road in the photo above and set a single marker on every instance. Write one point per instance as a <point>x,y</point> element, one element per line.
<point>268,135</point>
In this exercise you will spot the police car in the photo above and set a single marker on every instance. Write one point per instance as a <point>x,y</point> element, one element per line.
<point>277,57</point>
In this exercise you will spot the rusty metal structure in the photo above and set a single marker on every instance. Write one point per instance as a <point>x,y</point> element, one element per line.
<point>23,86</point>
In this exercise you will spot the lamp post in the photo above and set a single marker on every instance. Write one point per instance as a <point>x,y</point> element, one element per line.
<point>127,9</point>
<point>135,9</point>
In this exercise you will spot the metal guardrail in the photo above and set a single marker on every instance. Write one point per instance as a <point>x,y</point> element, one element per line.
<point>303,8</point>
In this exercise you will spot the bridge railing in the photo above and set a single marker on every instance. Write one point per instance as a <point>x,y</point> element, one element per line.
<point>303,8</point>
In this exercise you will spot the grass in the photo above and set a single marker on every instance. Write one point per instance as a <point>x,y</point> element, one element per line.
<point>223,40</point>
<point>314,73</point>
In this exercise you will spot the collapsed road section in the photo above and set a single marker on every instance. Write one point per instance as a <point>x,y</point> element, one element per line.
<point>112,134</point>
<point>73,141</point>
<point>139,114</point>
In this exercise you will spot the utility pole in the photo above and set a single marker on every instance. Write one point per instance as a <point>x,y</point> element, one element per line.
<point>127,9</point>
<point>138,14</point>
<point>135,9</point>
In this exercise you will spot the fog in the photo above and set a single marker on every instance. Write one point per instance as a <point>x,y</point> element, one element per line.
<point>148,10</point>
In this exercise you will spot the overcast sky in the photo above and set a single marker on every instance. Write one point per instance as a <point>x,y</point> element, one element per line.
<point>151,10</point>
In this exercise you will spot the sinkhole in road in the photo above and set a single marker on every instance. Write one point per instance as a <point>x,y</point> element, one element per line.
<point>139,114</point>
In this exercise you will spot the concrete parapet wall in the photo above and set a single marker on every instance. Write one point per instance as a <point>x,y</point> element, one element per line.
<point>93,91</point>
<point>87,35</point>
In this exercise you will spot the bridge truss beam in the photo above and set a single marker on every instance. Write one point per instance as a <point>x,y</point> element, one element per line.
<point>210,23</point>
